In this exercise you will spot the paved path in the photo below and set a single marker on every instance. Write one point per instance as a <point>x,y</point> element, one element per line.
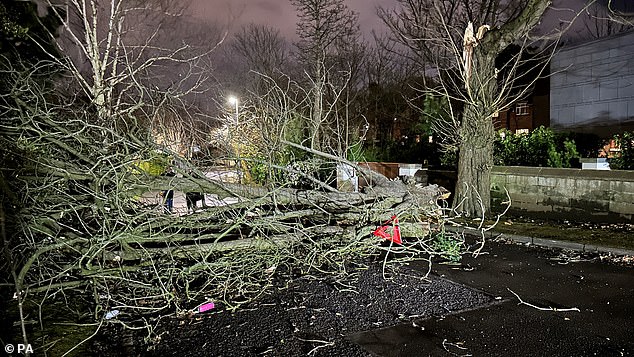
<point>153,198</point>
<point>603,292</point>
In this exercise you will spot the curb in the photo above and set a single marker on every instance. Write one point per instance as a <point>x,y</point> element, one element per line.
<point>548,243</point>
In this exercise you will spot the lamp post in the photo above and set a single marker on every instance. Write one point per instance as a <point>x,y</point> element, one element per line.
<point>233,100</point>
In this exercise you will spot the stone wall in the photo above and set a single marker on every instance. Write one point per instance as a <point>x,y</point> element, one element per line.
<point>606,196</point>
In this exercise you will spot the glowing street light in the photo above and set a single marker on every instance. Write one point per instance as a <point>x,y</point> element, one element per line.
<point>233,100</point>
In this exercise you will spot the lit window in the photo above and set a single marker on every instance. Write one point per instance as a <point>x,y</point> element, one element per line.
<point>521,108</point>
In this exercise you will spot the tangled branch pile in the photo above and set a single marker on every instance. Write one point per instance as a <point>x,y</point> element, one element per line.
<point>73,224</point>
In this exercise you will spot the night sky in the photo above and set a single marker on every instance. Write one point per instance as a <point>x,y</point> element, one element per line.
<point>280,14</point>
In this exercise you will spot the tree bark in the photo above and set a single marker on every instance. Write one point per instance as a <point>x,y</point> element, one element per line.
<point>477,133</point>
<point>475,160</point>
<point>473,188</point>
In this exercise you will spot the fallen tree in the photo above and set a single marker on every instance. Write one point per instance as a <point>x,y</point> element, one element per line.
<point>76,236</point>
<point>73,224</point>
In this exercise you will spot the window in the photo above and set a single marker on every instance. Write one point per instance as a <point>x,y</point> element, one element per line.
<point>521,108</point>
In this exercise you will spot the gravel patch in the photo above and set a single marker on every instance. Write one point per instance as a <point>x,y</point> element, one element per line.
<point>303,316</point>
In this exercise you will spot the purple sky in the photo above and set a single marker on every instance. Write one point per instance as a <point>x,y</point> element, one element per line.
<point>279,13</point>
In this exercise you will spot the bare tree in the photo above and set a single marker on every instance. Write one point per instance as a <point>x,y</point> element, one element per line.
<point>118,52</point>
<point>264,49</point>
<point>601,20</point>
<point>330,52</point>
<point>386,79</point>
<point>462,42</point>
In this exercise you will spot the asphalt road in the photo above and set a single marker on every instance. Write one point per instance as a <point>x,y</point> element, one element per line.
<point>603,293</point>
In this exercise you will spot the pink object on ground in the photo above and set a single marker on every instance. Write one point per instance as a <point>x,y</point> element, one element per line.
<point>205,307</point>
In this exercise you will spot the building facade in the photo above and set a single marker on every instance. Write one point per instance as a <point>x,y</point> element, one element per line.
<point>592,86</point>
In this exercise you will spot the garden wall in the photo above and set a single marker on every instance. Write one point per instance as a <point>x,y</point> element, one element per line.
<point>605,196</point>
<point>593,195</point>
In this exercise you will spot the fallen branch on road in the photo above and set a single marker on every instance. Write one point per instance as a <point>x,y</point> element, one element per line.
<point>522,302</point>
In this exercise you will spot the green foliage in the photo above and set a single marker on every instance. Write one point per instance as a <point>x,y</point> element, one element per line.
<point>448,246</point>
<point>9,27</point>
<point>295,129</point>
<point>412,148</point>
<point>625,159</point>
<point>356,153</point>
<point>541,147</point>
<point>405,151</point>
<point>588,145</point>
<point>287,167</point>
<point>361,153</point>
<point>435,112</point>
<point>156,165</point>
<point>377,153</point>
<point>260,171</point>
<point>449,158</point>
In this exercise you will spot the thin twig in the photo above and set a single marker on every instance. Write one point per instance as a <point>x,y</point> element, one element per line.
<point>323,344</point>
<point>522,302</point>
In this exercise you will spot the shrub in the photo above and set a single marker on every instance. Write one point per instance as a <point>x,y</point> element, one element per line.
<point>449,158</point>
<point>541,147</point>
<point>588,145</point>
<point>258,170</point>
<point>625,159</point>
<point>155,165</point>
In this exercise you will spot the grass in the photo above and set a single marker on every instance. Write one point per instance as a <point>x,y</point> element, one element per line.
<point>615,235</point>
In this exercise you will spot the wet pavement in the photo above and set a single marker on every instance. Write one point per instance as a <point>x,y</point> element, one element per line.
<point>602,292</point>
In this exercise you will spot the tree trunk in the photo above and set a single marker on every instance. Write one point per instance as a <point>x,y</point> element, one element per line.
<point>473,188</point>
<point>477,134</point>
<point>316,139</point>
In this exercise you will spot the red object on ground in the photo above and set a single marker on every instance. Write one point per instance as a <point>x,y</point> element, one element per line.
<point>395,237</point>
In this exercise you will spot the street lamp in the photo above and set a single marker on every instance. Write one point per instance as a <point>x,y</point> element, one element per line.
<point>234,101</point>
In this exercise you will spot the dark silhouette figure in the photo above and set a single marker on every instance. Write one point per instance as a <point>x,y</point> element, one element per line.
<point>192,198</point>
<point>168,195</point>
